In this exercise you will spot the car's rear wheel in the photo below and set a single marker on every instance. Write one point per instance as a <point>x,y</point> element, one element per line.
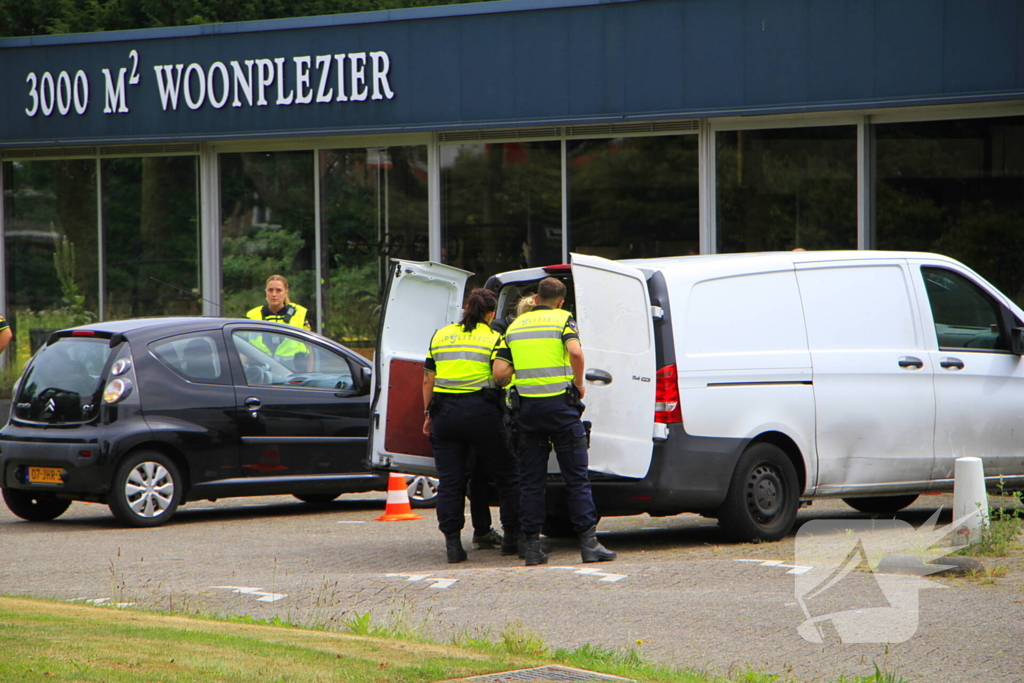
<point>762,501</point>
<point>880,505</point>
<point>316,498</point>
<point>146,489</point>
<point>422,491</point>
<point>35,506</point>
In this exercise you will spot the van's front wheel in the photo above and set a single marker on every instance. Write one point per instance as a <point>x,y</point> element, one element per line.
<point>763,498</point>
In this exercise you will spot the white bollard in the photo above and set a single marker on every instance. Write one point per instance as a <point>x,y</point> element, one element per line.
<point>970,501</point>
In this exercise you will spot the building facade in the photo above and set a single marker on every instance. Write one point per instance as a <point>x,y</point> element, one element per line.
<point>181,167</point>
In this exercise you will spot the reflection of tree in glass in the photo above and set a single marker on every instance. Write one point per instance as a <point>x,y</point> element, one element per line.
<point>374,208</point>
<point>781,189</point>
<point>150,228</point>
<point>267,209</point>
<point>634,197</point>
<point>501,206</point>
<point>956,188</point>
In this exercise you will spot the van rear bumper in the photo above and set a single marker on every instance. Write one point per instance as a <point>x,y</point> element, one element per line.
<point>687,474</point>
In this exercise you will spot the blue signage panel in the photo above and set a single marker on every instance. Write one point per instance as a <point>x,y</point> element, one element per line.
<point>518,62</point>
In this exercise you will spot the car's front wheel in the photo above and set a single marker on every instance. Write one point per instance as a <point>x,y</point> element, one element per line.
<point>146,489</point>
<point>422,491</point>
<point>35,506</point>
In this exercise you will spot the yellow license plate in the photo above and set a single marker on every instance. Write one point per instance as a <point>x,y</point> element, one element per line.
<point>44,475</point>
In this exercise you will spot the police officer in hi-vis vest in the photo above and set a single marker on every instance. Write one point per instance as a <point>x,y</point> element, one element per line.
<point>462,413</point>
<point>279,309</point>
<point>542,349</point>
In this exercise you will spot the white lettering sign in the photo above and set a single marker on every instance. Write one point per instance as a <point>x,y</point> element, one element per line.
<point>306,79</point>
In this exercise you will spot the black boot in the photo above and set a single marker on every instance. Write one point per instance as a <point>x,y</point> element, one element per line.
<point>591,549</point>
<point>453,544</point>
<point>511,544</point>
<point>532,552</point>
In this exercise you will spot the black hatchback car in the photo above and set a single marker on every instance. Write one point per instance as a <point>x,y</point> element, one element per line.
<point>144,415</point>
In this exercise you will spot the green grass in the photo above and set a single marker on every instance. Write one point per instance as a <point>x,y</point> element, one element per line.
<point>55,641</point>
<point>1002,534</point>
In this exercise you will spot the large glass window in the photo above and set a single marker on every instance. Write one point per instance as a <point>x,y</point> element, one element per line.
<point>787,188</point>
<point>50,210</point>
<point>150,237</point>
<point>956,188</point>
<point>634,197</point>
<point>501,206</point>
<point>373,209</point>
<point>267,228</point>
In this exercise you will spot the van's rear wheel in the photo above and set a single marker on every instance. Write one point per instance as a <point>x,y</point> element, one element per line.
<point>880,505</point>
<point>763,498</point>
<point>35,506</point>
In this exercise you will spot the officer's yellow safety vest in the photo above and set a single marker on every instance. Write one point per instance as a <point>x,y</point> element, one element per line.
<point>282,347</point>
<point>463,359</point>
<point>539,355</point>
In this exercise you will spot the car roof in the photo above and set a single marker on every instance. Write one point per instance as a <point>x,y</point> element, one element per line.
<point>149,329</point>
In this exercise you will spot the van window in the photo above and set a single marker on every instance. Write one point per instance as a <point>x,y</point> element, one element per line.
<point>965,316</point>
<point>620,325</point>
<point>196,357</point>
<point>858,307</point>
<point>749,314</point>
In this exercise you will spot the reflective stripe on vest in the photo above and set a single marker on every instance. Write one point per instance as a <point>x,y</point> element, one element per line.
<point>539,356</point>
<point>463,359</point>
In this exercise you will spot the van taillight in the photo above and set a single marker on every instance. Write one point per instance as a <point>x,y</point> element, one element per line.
<point>666,396</point>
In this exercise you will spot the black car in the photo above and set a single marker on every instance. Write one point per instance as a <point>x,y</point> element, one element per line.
<point>145,415</point>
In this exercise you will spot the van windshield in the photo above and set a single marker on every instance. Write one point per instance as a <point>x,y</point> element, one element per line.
<point>63,381</point>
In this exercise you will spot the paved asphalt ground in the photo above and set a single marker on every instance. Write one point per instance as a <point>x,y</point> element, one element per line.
<point>678,593</point>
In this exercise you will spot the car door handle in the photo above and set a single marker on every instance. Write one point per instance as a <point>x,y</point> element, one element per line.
<point>599,376</point>
<point>911,362</point>
<point>253,404</point>
<point>951,363</point>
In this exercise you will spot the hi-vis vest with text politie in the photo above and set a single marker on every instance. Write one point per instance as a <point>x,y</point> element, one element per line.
<point>291,314</point>
<point>462,359</point>
<point>539,356</point>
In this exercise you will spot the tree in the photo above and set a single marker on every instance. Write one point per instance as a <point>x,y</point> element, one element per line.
<point>44,17</point>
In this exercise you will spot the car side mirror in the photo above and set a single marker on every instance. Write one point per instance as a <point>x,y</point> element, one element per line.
<point>365,374</point>
<point>1017,340</point>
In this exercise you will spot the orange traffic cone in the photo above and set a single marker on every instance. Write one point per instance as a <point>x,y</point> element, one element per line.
<point>397,508</point>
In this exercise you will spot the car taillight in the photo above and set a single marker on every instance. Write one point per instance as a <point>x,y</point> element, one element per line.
<point>666,396</point>
<point>117,390</point>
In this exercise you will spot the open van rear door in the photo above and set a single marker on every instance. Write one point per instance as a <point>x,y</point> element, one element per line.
<point>613,309</point>
<point>421,298</point>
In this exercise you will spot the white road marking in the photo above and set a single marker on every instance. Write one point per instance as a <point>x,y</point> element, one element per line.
<point>438,582</point>
<point>246,590</point>
<point>589,571</point>
<point>781,564</point>
<point>359,522</point>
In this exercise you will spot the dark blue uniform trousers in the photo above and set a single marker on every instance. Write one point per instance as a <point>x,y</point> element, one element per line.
<point>462,423</point>
<point>542,423</point>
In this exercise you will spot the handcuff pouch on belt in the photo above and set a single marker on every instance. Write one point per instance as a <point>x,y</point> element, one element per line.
<point>572,397</point>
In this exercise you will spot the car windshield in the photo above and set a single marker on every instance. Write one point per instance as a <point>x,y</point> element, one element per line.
<point>62,382</point>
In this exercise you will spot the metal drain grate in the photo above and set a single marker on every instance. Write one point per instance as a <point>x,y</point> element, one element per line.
<point>546,673</point>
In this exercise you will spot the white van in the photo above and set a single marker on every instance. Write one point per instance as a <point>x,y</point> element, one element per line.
<point>737,386</point>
